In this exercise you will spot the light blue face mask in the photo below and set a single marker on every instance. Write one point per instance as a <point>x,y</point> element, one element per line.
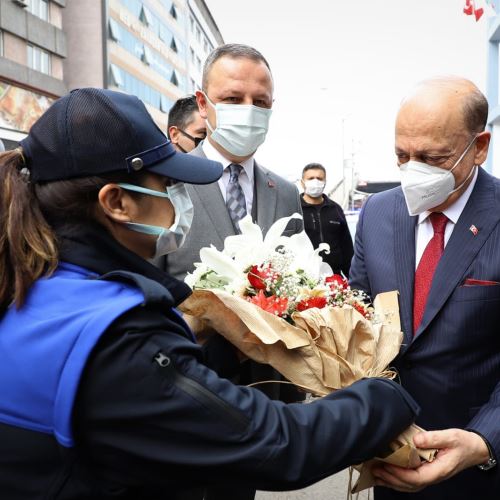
<point>172,238</point>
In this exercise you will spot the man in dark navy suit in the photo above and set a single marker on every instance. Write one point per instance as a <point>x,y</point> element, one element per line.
<point>436,239</point>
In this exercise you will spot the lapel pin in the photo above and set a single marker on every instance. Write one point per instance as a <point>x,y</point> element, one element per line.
<point>271,184</point>
<point>474,230</point>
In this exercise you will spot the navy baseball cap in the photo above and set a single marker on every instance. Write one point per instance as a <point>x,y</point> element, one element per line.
<point>91,131</point>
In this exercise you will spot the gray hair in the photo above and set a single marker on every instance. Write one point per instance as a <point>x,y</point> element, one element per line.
<point>475,110</point>
<point>234,51</point>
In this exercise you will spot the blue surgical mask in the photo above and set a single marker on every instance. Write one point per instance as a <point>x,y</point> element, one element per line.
<point>172,238</point>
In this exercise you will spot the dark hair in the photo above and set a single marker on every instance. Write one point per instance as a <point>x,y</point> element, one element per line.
<point>234,51</point>
<point>28,215</point>
<point>313,166</point>
<point>181,113</point>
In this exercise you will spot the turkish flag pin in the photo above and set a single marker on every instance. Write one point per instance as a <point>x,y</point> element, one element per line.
<point>270,183</point>
<point>474,230</point>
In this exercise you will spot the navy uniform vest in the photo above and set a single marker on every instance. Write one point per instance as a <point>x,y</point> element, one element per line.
<point>45,344</point>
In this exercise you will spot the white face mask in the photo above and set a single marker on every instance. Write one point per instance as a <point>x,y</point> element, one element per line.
<point>426,187</point>
<point>240,128</point>
<point>169,239</point>
<point>314,188</point>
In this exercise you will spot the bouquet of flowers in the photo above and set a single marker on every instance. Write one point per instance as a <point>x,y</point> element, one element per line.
<point>276,300</point>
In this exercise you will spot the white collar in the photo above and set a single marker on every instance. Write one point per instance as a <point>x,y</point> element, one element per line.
<point>454,211</point>
<point>212,154</point>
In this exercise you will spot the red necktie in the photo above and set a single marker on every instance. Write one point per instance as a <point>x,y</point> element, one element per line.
<point>427,266</point>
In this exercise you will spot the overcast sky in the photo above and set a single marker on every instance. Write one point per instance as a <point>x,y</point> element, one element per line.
<point>349,63</point>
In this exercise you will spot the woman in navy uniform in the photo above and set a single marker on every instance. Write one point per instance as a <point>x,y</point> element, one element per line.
<point>104,392</point>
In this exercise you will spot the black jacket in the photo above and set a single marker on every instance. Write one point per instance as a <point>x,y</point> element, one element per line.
<point>152,420</point>
<point>326,223</point>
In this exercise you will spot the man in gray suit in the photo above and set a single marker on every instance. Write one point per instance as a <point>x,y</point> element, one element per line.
<point>236,102</point>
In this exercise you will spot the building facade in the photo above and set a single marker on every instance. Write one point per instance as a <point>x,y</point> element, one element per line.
<point>32,51</point>
<point>203,36</point>
<point>493,92</point>
<point>142,47</point>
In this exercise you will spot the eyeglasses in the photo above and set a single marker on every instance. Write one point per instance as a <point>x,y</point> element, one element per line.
<point>196,140</point>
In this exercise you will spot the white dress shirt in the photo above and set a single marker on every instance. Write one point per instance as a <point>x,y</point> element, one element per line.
<point>246,175</point>
<point>424,231</point>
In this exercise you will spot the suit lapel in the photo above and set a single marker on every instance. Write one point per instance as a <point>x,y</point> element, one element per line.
<point>404,250</point>
<point>266,197</point>
<point>213,203</point>
<point>215,208</point>
<point>462,246</point>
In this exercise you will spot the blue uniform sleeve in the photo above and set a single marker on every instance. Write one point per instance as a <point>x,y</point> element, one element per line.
<point>149,411</point>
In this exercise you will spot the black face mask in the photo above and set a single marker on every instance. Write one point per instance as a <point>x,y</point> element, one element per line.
<point>196,140</point>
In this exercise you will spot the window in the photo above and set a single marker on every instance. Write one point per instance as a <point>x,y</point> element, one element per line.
<point>1,43</point>
<point>198,63</point>
<point>174,79</point>
<point>115,76</point>
<point>114,30</point>
<point>191,23</point>
<point>146,16</point>
<point>39,8</point>
<point>205,45</point>
<point>147,55</point>
<point>192,54</point>
<point>173,11</point>
<point>173,45</point>
<point>164,33</point>
<point>198,34</point>
<point>165,104</point>
<point>193,86</point>
<point>38,59</point>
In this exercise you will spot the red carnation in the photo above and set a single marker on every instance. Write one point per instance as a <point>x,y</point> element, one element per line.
<point>257,277</point>
<point>337,281</point>
<point>311,302</point>
<point>360,309</point>
<point>273,304</point>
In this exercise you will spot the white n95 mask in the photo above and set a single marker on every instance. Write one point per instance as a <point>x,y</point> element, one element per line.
<point>240,128</point>
<point>425,186</point>
<point>169,239</point>
<point>314,188</point>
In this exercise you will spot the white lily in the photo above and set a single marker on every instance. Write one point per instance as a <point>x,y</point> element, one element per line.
<point>250,248</point>
<point>221,263</point>
<point>306,257</point>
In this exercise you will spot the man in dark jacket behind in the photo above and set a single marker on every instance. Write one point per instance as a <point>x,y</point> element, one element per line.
<point>324,220</point>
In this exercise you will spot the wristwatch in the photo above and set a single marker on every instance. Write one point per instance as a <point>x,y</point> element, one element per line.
<point>491,461</point>
<point>488,465</point>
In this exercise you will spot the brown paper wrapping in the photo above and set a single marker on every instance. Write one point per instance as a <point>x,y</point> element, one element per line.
<point>327,349</point>
<point>402,453</point>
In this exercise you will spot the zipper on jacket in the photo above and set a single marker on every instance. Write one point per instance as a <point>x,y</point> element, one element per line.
<point>318,214</point>
<point>202,394</point>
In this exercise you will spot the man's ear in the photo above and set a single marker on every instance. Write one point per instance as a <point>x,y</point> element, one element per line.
<point>173,133</point>
<point>482,144</point>
<point>115,203</point>
<point>201,100</point>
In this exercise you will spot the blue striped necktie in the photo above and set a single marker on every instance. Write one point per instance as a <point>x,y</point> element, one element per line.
<point>235,198</point>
